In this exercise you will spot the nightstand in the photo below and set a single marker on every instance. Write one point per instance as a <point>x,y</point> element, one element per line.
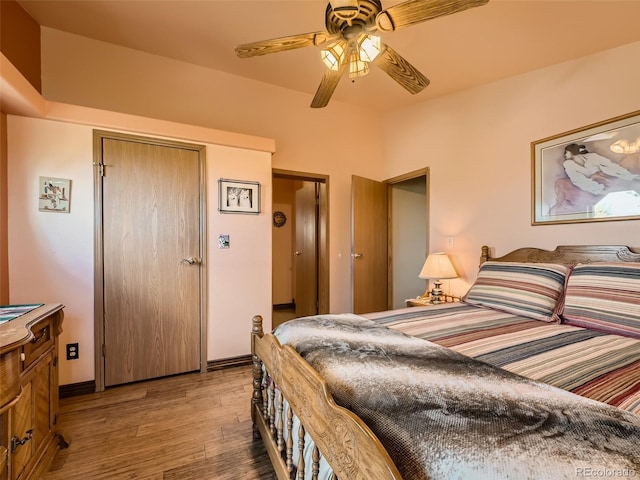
<point>425,302</point>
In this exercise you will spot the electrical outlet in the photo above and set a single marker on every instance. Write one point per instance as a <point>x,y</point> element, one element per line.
<point>73,352</point>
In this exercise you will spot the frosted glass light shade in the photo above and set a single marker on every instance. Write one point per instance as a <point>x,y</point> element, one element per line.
<point>369,48</point>
<point>357,67</point>
<point>334,54</point>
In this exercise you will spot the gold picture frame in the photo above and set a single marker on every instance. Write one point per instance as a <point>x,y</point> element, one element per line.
<point>590,174</point>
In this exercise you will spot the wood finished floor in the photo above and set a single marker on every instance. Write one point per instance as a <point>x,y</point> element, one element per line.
<point>187,427</point>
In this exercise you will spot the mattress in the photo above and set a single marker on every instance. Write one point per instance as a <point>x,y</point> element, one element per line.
<point>590,363</point>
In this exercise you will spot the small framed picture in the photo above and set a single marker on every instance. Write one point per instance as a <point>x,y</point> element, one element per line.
<point>238,196</point>
<point>54,194</point>
<point>590,174</point>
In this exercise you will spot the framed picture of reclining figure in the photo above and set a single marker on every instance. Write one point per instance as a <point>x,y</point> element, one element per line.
<point>238,196</point>
<point>589,174</point>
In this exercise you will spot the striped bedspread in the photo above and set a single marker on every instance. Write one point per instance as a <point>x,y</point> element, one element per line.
<point>586,362</point>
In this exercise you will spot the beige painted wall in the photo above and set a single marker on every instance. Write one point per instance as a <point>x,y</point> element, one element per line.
<point>476,142</point>
<point>477,145</point>
<point>337,141</point>
<point>51,254</point>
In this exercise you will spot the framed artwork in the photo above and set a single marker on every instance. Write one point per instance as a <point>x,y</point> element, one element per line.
<point>589,174</point>
<point>238,196</point>
<point>54,194</point>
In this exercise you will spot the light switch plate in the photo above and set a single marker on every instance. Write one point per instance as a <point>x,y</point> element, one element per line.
<point>223,241</point>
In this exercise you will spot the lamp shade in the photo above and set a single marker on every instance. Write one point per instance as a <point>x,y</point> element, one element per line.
<point>437,266</point>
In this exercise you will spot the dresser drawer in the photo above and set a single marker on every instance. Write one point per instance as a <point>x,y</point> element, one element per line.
<point>41,341</point>
<point>9,377</point>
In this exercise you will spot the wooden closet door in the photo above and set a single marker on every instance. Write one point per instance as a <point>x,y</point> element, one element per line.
<point>151,222</point>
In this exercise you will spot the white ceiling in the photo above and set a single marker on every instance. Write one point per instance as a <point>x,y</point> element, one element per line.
<point>480,45</point>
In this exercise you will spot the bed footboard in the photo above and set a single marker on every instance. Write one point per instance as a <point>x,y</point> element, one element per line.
<point>285,387</point>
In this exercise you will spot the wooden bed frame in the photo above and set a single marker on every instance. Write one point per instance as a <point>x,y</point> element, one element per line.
<point>567,254</point>
<point>343,439</point>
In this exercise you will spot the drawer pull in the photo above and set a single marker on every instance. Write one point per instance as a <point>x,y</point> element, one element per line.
<point>40,336</point>
<point>17,441</point>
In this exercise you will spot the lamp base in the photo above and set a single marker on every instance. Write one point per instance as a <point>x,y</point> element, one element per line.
<point>436,293</point>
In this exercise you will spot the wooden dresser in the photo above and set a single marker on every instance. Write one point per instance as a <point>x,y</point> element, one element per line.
<point>29,392</point>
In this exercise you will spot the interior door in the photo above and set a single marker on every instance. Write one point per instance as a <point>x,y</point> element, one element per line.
<point>369,223</point>
<point>306,250</point>
<point>151,260</point>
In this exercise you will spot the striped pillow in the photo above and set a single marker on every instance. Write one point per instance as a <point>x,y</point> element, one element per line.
<point>605,297</point>
<point>530,290</point>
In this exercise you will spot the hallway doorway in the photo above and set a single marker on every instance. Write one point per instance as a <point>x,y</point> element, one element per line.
<point>300,245</point>
<point>408,236</point>
<point>390,224</point>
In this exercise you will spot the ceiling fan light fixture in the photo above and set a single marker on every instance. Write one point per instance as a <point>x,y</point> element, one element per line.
<point>369,47</point>
<point>334,54</point>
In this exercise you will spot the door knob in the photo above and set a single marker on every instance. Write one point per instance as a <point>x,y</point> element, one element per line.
<point>191,261</point>
<point>357,255</point>
<point>297,253</point>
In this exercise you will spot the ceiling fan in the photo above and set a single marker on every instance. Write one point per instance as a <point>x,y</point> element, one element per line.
<point>349,43</point>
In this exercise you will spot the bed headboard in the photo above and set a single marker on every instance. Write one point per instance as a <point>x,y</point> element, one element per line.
<point>567,254</point>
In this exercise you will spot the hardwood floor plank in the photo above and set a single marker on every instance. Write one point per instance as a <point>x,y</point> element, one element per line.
<point>188,427</point>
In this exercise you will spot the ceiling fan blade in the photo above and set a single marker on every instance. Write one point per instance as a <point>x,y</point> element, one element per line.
<point>401,71</point>
<point>327,86</point>
<point>417,11</point>
<point>275,45</point>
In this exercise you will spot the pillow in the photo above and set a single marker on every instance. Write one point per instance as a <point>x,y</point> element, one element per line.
<point>604,297</point>
<point>530,290</point>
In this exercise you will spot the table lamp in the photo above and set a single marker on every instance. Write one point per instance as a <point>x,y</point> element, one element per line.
<point>437,266</point>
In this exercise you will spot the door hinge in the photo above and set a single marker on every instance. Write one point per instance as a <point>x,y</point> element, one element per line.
<point>101,166</point>
<point>55,361</point>
<point>104,350</point>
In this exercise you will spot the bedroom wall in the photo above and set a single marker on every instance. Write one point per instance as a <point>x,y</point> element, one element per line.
<point>477,145</point>
<point>476,142</point>
<point>51,255</point>
<point>338,140</point>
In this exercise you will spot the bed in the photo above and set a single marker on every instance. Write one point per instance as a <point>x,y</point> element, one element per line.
<point>535,374</point>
